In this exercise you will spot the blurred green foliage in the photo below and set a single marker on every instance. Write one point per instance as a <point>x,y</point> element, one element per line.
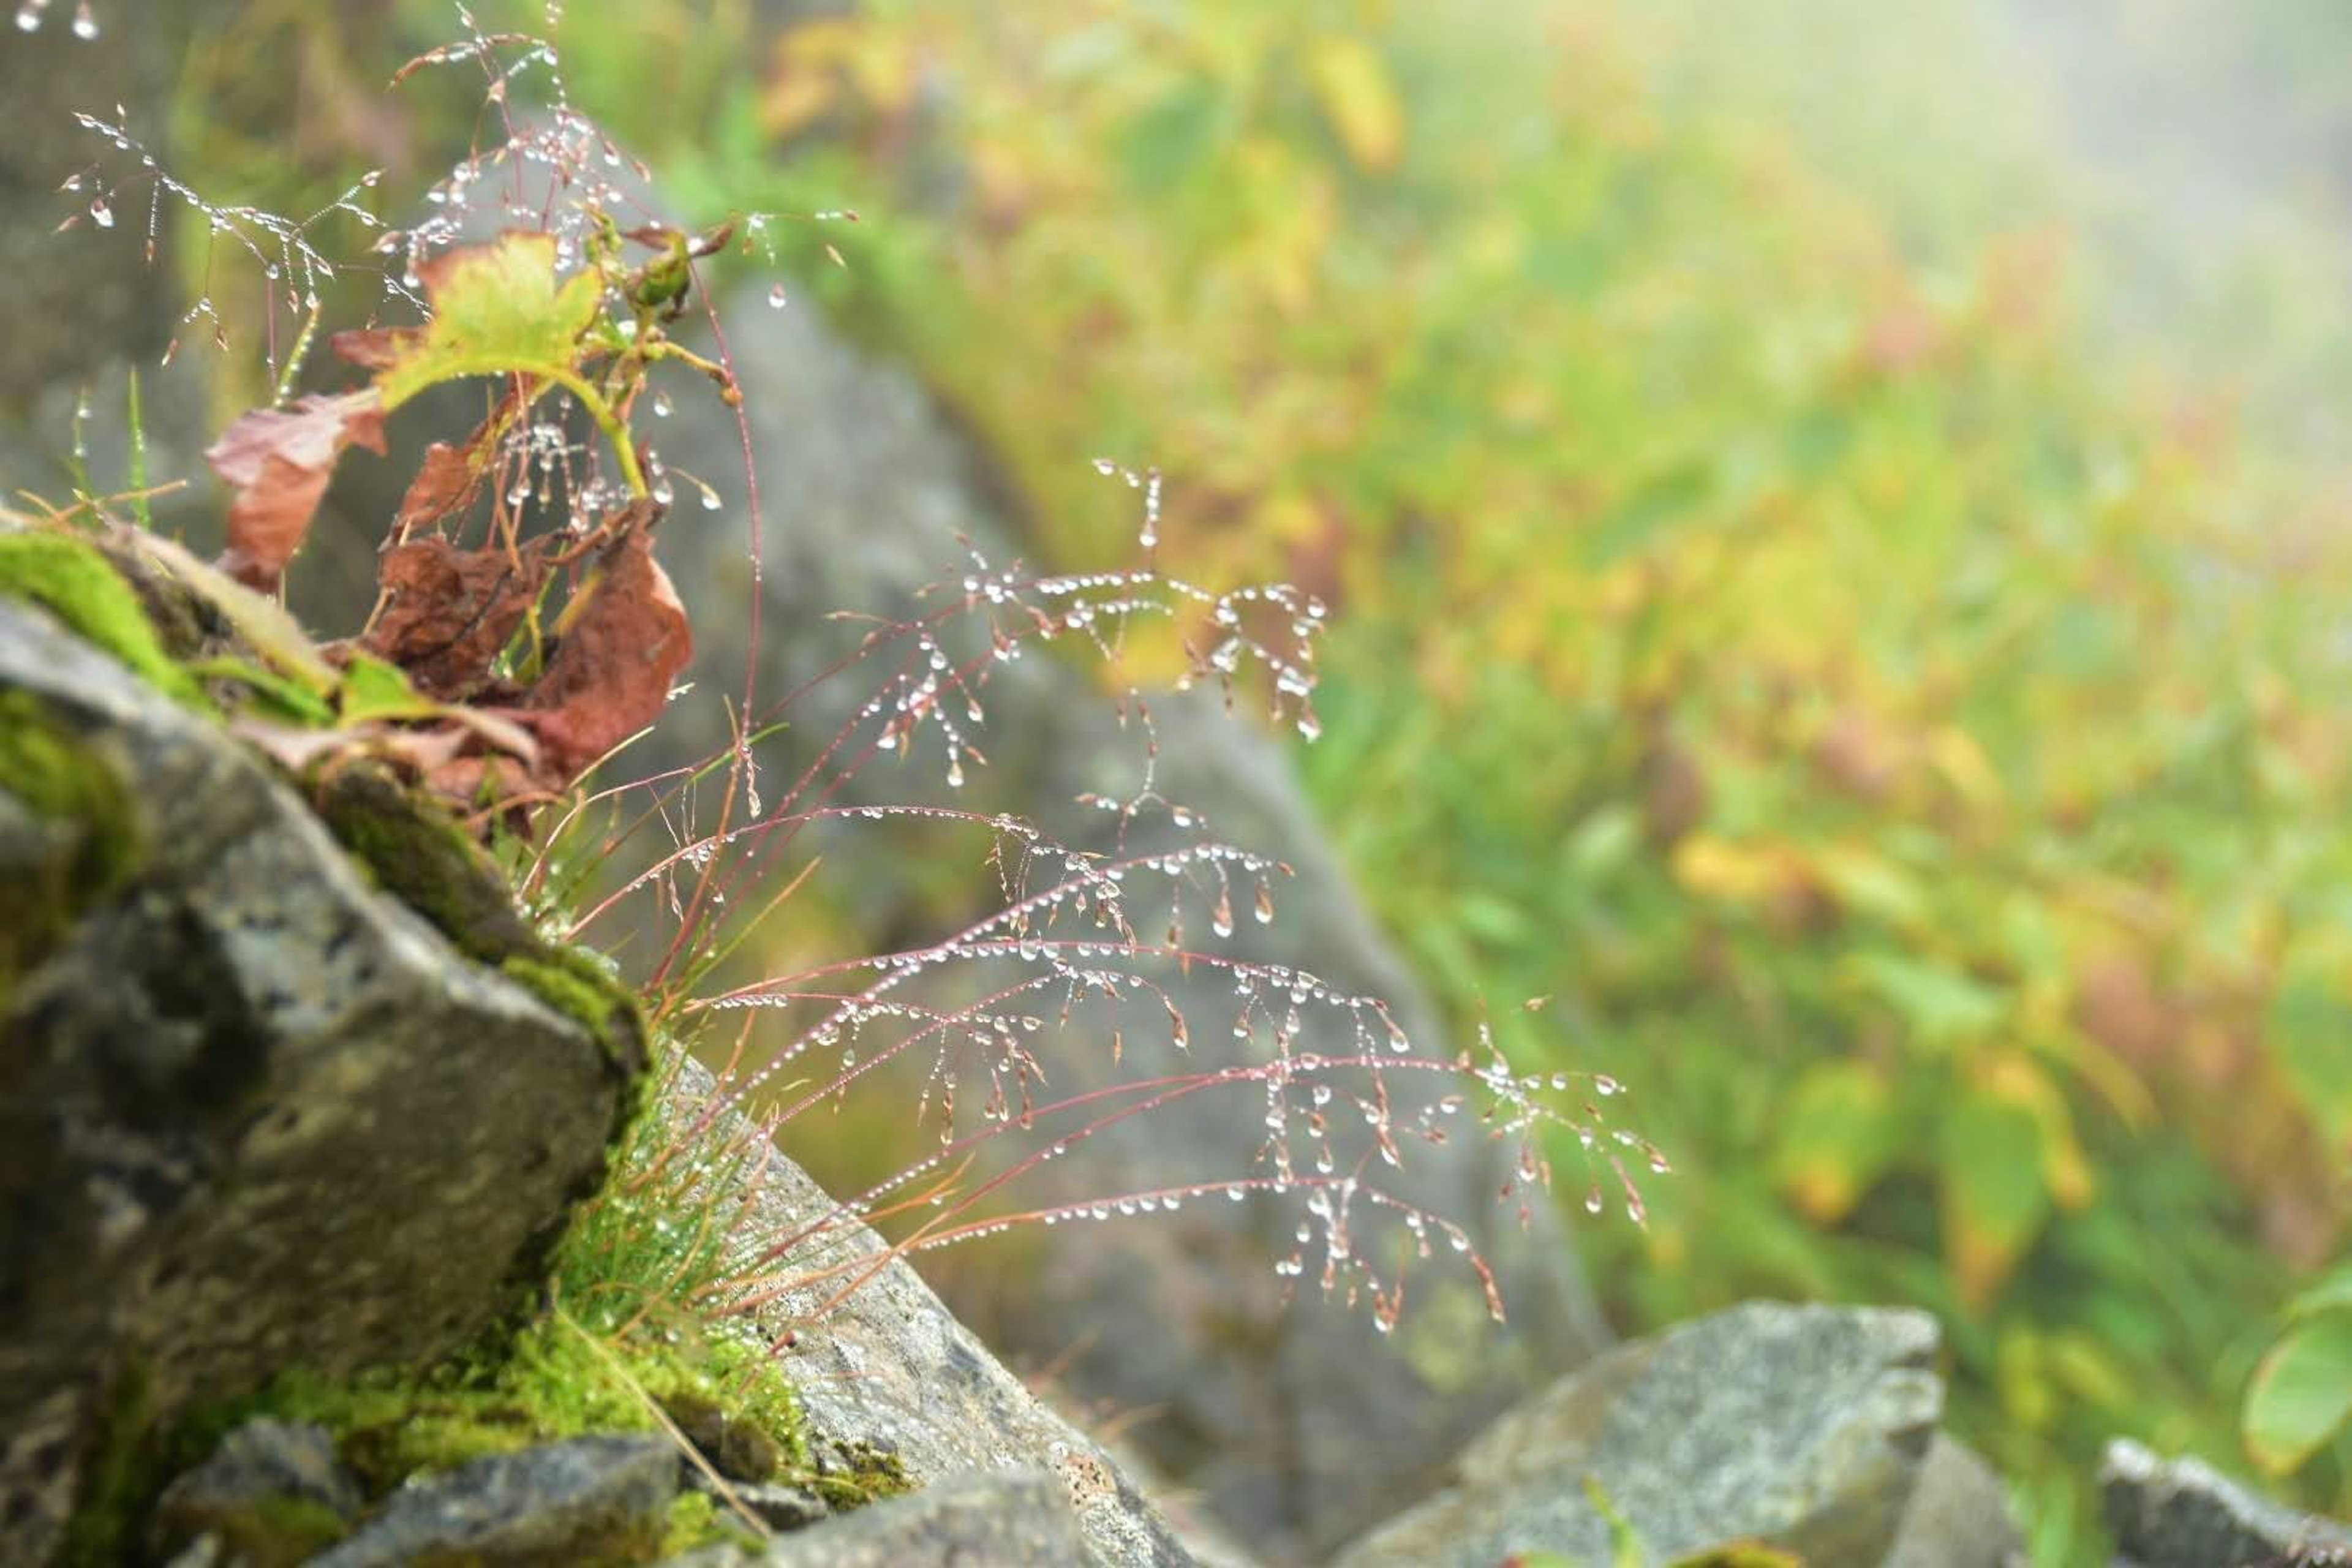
<point>1801,610</point>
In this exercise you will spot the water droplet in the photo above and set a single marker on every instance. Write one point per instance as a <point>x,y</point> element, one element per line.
<point>1264,909</point>
<point>776,296</point>
<point>29,17</point>
<point>661,403</point>
<point>1603,1085</point>
<point>100,213</point>
<point>1593,1201</point>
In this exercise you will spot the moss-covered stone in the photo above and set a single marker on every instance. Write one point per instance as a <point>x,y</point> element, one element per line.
<point>575,986</point>
<point>422,856</point>
<point>73,579</point>
<point>84,835</point>
<point>851,1475</point>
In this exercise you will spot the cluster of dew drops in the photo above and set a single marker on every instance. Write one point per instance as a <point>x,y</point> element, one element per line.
<point>31,14</point>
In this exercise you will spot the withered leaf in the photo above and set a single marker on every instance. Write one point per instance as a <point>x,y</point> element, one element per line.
<point>623,647</point>
<point>451,610</point>
<point>279,461</point>
<point>372,348</point>
<point>446,483</point>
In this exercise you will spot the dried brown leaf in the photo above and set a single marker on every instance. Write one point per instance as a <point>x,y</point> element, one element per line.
<point>611,670</point>
<point>279,461</point>
<point>450,611</point>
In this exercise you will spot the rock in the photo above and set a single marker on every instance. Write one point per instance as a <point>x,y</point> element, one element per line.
<point>272,1492</point>
<point>561,1503</point>
<point>779,1506</point>
<point>1005,1519</point>
<point>1296,1421</point>
<point>1803,1427</point>
<point>254,1113</point>
<point>891,1370</point>
<point>1958,1516</point>
<point>2183,1513</point>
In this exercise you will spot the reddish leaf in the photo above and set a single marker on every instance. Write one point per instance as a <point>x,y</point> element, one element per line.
<point>452,610</point>
<point>372,348</point>
<point>612,671</point>
<point>279,461</point>
<point>446,483</point>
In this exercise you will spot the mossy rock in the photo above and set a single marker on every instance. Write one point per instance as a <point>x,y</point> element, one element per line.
<point>77,836</point>
<point>73,579</point>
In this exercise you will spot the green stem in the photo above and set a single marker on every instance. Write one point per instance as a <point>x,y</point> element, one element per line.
<point>606,420</point>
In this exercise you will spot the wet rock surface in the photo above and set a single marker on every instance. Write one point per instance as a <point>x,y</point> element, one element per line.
<point>1005,1519</point>
<point>561,1502</point>
<point>270,1486</point>
<point>254,1113</point>
<point>1803,1427</point>
<point>890,1371</point>
<point>2183,1513</point>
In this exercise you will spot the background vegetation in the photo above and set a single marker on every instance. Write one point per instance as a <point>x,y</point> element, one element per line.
<point>1838,527</point>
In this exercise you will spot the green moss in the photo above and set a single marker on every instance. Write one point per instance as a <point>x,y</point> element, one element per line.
<point>71,579</point>
<point>572,983</point>
<point>421,855</point>
<point>280,1531</point>
<point>860,1473</point>
<point>80,795</point>
<point>424,857</point>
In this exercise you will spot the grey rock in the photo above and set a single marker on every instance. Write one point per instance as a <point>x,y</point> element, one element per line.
<point>889,1368</point>
<point>559,1503</point>
<point>1005,1519</point>
<point>2183,1513</point>
<point>261,1463</point>
<point>1803,1427</point>
<point>778,1505</point>
<point>1958,1516</point>
<point>1297,1421</point>
<point>254,1114</point>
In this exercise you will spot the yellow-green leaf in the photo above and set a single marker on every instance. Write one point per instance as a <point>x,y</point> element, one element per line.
<point>1995,1200</point>
<point>1353,86</point>
<point>2301,1394</point>
<point>1836,1135</point>
<point>375,690</point>
<point>497,307</point>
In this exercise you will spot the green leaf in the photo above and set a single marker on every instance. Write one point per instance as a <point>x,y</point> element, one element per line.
<point>1625,1545</point>
<point>2333,1289</point>
<point>2301,1394</point>
<point>2311,1021</point>
<point>1657,506</point>
<point>287,699</point>
<point>1837,1134</point>
<point>497,307</point>
<point>1994,1197</point>
<point>375,690</point>
<point>1941,1005</point>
